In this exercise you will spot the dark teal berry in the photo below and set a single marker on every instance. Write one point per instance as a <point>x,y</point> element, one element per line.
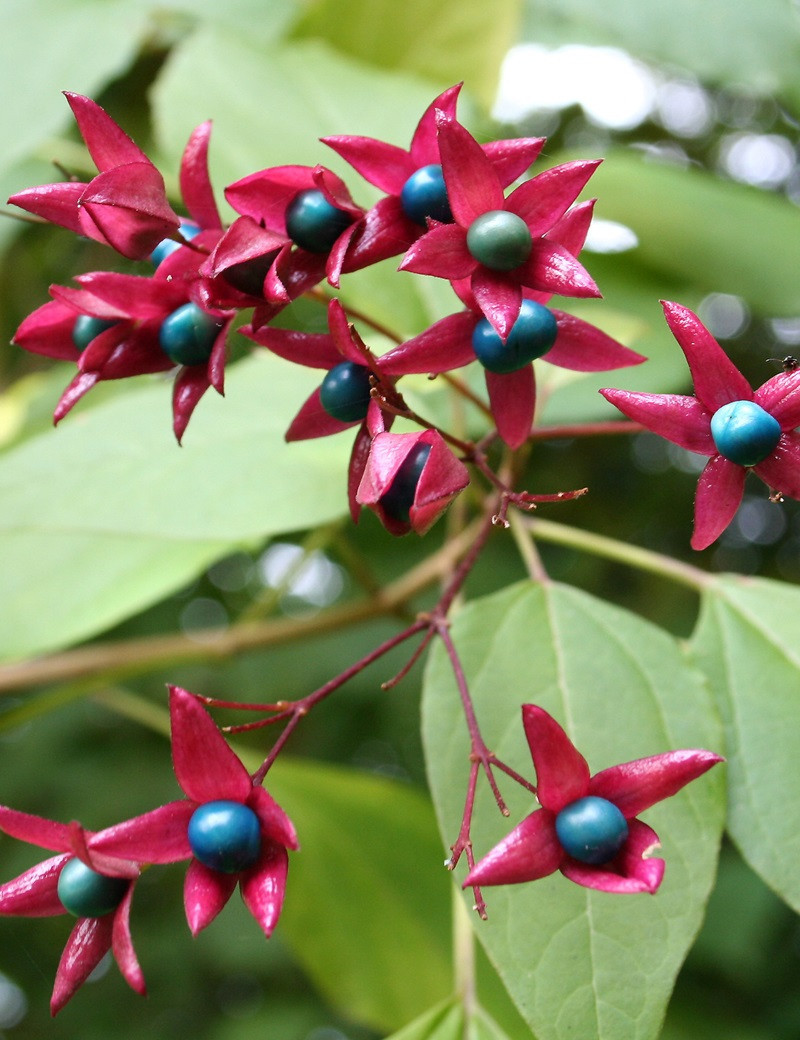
<point>499,240</point>
<point>591,830</point>
<point>532,335</point>
<point>399,497</point>
<point>744,433</point>
<point>225,836</point>
<point>313,223</point>
<point>248,276</point>
<point>167,246</point>
<point>345,392</point>
<point>86,328</point>
<point>85,893</point>
<point>424,195</point>
<point>188,335</point>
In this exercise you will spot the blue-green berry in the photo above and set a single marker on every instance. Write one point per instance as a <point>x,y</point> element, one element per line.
<point>532,335</point>
<point>399,497</point>
<point>187,335</point>
<point>591,830</point>
<point>87,328</point>
<point>424,195</point>
<point>744,433</point>
<point>313,223</point>
<point>225,836</point>
<point>167,246</point>
<point>499,240</point>
<point>345,392</point>
<point>85,893</point>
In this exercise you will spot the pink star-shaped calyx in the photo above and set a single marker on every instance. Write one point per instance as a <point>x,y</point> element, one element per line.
<point>587,826</point>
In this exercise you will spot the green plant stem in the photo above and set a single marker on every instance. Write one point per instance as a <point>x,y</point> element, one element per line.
<point>623,552</point>
<point>114,661</point>
<point>527,549</point>
<point>464,974</point>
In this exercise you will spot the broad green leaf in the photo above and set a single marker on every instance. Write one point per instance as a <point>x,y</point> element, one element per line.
<point>450,40</point>
<point>745,44</point>
<point>106,514</point>
<point>691,225</point>
<point>257,20</point>
<point>271,105</point>
<point>49,46</point>
<point>368,903</point>
<point>578,962</point>
<point>746,642</point>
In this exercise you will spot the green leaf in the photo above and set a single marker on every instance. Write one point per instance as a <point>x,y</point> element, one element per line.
<point>694,226</point>
<point>746,642</point>
<point>368,903</point>
<point>107,514</point>
<point>578,962</point>
<point>449,41</point>
<point>445,1022</point>
<point>280,101</point>
<point>746,44</point>
<point>49,46</point>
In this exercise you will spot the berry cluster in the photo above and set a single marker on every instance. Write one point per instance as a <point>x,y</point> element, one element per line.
<point>453,209</point>
<point>229,828</point>
<point>449,207</point>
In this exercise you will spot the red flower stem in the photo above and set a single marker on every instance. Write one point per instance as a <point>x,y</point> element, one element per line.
<point>298,709</point>
<point>358,315</point>
<point>479,751</point>
<point>401,409</point>
<point>522,499</point>
<point>391,683</point>
<point>463,842</point>
<point>547,433</point>
<point>514,775</point>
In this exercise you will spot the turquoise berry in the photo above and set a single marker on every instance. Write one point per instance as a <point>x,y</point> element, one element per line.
<point>188,335</point>
<point>399,497</point>
<point>345,392</point>
<point>424,195</point>
<point>532,335</point>
<point>85,893</point>
<point>591,830</point>
<point>499,240</point>
<point>744,433</point>
<point>86,328</point>
<point>313,223</point>
<point>225,836</point>
<point>167,246</point>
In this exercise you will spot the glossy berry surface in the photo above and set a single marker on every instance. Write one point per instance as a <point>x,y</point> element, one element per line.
<point>188,335</point>
<point>399,497</point>
<point>313,223</point>
<point>167,246</point>
<point>225,836</point>
<point>345,392</point>
<point>533,334</point>
<point>499,240</point>
<point>424,195</point>
<point>744,433</point>
<point>85,893</point>
<point>591,830</point>
<point>86,328</point>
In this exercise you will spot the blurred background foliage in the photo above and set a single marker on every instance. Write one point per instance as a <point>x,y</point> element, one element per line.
<point>697,108</point>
